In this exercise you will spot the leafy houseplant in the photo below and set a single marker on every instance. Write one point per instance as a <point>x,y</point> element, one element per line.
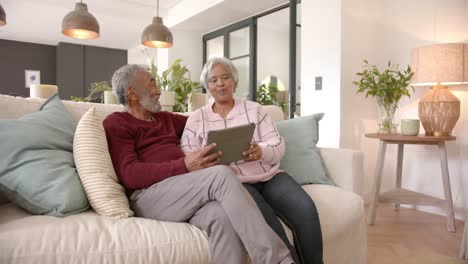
<point>177,79</point>
<point>266,95</point>
<point>98,87</point>
<point>387,87</point>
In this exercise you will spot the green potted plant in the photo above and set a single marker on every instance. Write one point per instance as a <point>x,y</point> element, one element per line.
<point>176,85</point>
<point>267,95</point>
<point>387,87</point>
<point>177,78</point>
<point>98,87</point>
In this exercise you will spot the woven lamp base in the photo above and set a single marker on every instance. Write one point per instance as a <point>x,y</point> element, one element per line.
<point>439,111</point>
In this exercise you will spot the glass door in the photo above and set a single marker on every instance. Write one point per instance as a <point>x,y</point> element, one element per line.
<point>262,47</point>
<point>215,47</point>
<point>239,53</point>
<point>236,43</point>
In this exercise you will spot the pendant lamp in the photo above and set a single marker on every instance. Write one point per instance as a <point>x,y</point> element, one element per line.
<point>80,24</point>
<point>2,16</point>
<point>157,35</point>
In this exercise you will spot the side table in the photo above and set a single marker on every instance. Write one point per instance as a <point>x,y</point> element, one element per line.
<point>402,196</point>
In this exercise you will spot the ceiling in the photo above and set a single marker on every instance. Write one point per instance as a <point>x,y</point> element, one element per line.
<point>122,21</point>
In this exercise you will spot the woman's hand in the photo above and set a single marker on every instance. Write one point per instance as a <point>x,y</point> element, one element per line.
<point>254,153</point>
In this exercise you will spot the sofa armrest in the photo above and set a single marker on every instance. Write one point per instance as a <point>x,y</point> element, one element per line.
<point>345,167</point>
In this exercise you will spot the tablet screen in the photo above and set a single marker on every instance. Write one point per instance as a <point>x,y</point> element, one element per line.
<point>231,141</point>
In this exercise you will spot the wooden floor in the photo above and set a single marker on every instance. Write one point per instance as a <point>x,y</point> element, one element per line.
<point>398,236</point>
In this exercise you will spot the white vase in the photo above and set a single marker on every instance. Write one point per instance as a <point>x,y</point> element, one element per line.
<point>109,98</point>
<point>197,100</point>
<point>387,124</point>
<point>167,100</point>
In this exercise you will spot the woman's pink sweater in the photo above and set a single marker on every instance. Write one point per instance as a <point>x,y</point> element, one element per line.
<point>266,135</point>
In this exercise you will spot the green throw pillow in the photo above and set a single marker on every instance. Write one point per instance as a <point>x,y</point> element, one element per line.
<point>37,170</point>
<point>302,159</point>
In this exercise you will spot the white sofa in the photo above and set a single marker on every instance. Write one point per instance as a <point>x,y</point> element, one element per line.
<point>90,238</point>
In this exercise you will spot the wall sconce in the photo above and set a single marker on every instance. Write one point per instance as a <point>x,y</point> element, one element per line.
<point>80,24</point>
<point>439,66</point>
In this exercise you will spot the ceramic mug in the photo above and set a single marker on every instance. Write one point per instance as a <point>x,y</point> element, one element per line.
<point>409,127</point>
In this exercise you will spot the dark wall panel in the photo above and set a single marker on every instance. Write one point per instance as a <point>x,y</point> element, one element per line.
<point>72,67</point>
<point>16,57</point>
<point>101,63</point>
<point>70,70</point>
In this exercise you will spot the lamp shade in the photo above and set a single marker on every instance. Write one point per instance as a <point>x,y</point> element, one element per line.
<point>80,24</point>
<point>444,64</point>
<point>157,35</point>
<point>2,16</point>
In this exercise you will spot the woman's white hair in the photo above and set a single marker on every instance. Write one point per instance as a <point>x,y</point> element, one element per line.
<point>205,75</point>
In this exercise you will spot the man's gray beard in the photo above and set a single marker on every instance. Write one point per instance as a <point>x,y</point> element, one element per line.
<point>149,104</point>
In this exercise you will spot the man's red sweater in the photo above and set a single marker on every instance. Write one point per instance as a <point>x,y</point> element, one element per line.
<point>144,153</point>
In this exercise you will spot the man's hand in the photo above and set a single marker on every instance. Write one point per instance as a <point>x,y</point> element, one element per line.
<point>254,153</point>
<point>199,159</point>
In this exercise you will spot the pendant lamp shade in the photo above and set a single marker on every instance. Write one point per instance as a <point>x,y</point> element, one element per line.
<point>80,24</point>
<point>2,16</point>
<point>157,35</point>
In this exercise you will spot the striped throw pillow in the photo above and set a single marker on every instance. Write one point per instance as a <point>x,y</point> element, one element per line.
<point>94,165</point>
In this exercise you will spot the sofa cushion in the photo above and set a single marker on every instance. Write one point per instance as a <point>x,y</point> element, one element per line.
<point>302,158</point>
<point>105,194</point>
<point>37,170</point>
<point>15,107</point>
<point>90,238</point>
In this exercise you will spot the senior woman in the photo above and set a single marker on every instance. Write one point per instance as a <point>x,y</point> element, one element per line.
<point>274,191</point>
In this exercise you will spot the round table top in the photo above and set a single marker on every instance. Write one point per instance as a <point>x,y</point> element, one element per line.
<point>410,139</point>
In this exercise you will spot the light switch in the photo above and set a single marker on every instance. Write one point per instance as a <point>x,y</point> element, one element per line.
<point>318,83</point>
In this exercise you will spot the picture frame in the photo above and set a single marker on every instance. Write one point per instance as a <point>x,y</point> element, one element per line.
<point>32,77</point>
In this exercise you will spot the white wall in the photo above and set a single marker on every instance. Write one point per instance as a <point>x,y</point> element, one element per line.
<point>388,30</point>
<point>136,55</point>
<point>188,46</point>
<point>321,56</point>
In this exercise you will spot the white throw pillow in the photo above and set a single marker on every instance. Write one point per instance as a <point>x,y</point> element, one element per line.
<point>94,164</point>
